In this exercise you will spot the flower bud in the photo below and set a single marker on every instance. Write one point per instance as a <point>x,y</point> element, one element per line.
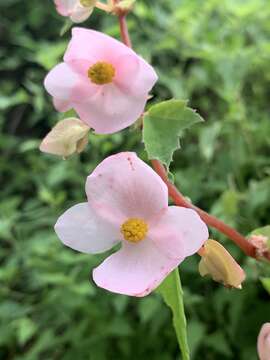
<point>263,344</point>
<point>220,265</point>
<point>260,242</point>
<point>69,136</point>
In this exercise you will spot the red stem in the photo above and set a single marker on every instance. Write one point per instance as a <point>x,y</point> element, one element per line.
<point>124,30</point>
<point>176,195</point>
<point>210,220</point>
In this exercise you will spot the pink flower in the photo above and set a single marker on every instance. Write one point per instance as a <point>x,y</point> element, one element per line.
<point>76,10</point>
<point>263,343</point>
<point>128,204</point>
<point>105,82</point>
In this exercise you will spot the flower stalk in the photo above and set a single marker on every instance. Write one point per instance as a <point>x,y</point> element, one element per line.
<point>241,241</point>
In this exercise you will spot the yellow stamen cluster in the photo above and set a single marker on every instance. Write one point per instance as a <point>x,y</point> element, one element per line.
<point>134,230</point>
<point>101,73</point>
<point>87,3</point>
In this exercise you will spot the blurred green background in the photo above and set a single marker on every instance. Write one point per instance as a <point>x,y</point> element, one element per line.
<point>214,53</point>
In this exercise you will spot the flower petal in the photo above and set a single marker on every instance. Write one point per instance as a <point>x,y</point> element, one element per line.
<point>81,13</point>
<point>179,232</point>
<point>67,86</point>
<point>263,342</point>
<point>111,109</point>
<point>60,81</point>
<point>65,7</point>
<point>123,186</point>
<point>73,9</point>
<point>142,74</point>
<point>61,105</point>
<point>82,230</point>
<point>135,270</point>
<point>94,46</point>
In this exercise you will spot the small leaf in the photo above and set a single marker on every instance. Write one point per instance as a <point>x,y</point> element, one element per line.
<point>172,294</point>
<point>163,125</point>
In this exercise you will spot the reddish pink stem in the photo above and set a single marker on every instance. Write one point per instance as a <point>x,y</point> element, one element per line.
<point>210,220</point>
<point>176,195</point>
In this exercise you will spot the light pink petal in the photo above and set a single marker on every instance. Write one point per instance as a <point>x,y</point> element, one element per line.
<point>111,109</point>
<point>94,46</point>
<point>81,229</point>
<point>263,344</point>
<point>61,105</point>
<point>81,67</point>
<point>65,7</point>
<point>135,270</point>
<point>82,92</point>
<point>135,75</point>
<point>122,186</point>
<point>80,13</point>
<point>67,86</point>
<point>73,9</point>
<point>179,232</point>
<point>60,81</point>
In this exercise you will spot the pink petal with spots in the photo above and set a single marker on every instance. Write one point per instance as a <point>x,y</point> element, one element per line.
<point>135,270</point>
<point>81,229</point>
<point>179,232</point>
<point>123,186</point>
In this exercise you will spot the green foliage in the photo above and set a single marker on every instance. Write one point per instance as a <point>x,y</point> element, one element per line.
<point>172,293</point>
<point>217,55</point>
<point>162,126</point>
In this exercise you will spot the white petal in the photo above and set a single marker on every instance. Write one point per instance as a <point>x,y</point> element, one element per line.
<point>82,230</point>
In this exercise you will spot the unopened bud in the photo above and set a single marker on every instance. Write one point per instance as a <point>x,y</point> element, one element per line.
<point>260,242</point>
<point>69,136</point>
<point>217,262</point>
<point>263,344</point>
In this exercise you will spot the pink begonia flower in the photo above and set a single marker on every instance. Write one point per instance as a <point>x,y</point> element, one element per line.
<point>128,204</point>
<point>263,344</point>
<point>76,10</point>
<point>105,82</point>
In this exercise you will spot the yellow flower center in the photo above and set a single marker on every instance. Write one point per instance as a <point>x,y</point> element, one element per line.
<point>101,73</point>
<point>134,230</point>
<point>87,3</point>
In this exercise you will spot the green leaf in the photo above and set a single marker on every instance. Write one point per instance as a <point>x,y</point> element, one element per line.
<point>266,283</point>
<point>163,124</point>
<point>172,293</point>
